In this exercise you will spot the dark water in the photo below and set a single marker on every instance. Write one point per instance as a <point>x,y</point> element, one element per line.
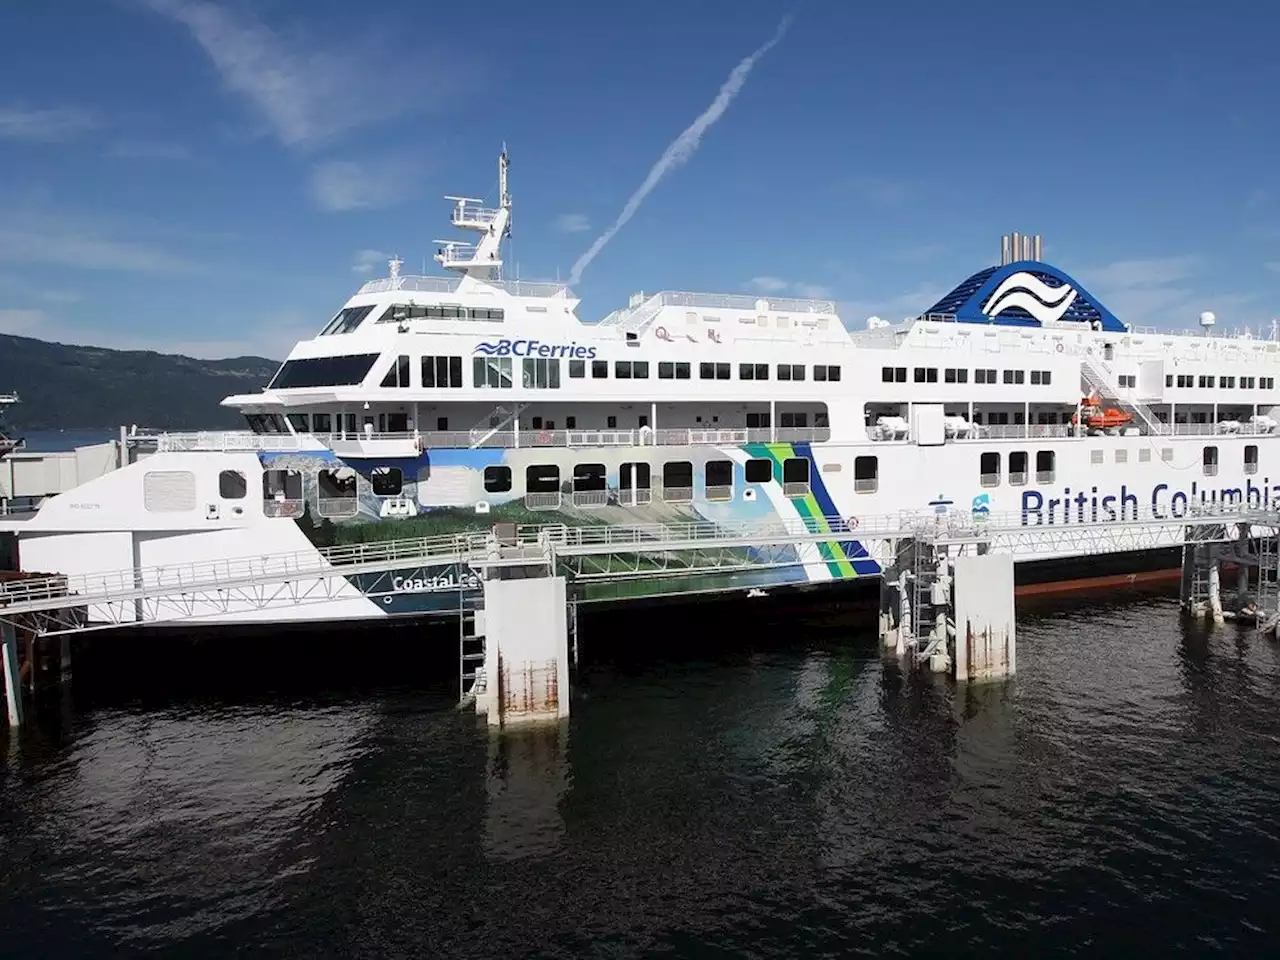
<point>760,784</point>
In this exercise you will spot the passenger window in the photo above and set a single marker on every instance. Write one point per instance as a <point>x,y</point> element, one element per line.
<point>232,485</point>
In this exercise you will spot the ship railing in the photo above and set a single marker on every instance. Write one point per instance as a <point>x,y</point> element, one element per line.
<point>466,213</point>
<point>86,589</point>
<point>643,437</point>
<point>227,440</point>
<point>982,431</point>
<point>739,301</point>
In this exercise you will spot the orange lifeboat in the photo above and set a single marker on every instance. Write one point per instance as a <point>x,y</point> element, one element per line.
<point>1095,416</point>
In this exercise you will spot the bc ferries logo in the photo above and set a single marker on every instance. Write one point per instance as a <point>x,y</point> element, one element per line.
<point>507,347</point>
<point>1047,304</point>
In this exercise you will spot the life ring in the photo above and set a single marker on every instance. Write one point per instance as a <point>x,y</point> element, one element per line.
<point>544,438</point>
<point>851,523</point>
<point>1058,348</point>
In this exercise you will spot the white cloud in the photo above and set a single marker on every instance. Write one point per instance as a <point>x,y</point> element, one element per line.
<point>882,191</point>
<point>1273,266</point>
<point>272,337</point>
<point>366,260</point>
<point>572,223</point>
<point>148,150</point>
<point>56,242</point>
<point>23,323</point>
<point>811,291</point>
<point>776,285</point>
<point>682,147</point>
<point>1126,274</point>
<point>49,126</point>
<point>768,284</point>
<point>342,185</point>
<point>308,91</point>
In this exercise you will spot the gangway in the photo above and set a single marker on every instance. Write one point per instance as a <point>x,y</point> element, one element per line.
<point>596,552</point>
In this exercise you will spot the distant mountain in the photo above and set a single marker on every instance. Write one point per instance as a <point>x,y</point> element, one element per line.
<point>70,387</point>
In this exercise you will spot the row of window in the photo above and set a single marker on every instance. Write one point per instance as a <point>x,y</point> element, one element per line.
<point>961,375</point>
<point>350,318</point>
<point>544,373</point>
<point>1206,381</point>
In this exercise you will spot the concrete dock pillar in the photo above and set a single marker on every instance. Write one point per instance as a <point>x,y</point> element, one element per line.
<point>527,649</point>
<point>64,659</point>
<point>985,635</point>
<point>12,681</point>
<point>1215,591</point>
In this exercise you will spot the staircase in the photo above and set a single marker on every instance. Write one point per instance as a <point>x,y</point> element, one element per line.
<point>637,321</point>
<point>482,432</point>
<point>1098,379</point>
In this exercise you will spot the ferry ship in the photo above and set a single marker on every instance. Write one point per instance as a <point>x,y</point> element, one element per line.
<point>433,404</point>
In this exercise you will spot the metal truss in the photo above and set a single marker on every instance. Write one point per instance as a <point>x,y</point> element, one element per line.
<point>596,553</point>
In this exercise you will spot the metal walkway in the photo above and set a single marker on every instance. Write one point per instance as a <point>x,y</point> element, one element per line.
<point>598,553</point>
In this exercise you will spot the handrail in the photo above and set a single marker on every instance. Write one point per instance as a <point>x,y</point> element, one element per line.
<point>177,579</point>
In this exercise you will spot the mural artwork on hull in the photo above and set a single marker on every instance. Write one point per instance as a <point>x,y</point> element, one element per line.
<point>444,491</point>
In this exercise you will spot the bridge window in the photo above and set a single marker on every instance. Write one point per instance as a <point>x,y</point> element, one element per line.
<point>1041,378</point>
<point>719,478</point>
<point>577,369</point>
<point>1206,381</point>
<point>640,369</point>
<point>1267,383</point>
<point>540,373</point>
<point>831,372</point>
<point>866,474</point>
<point>956,375</point>
<point>344,371</point>
<point>300,422</point>
<point>677,481</point>
<point>1045,464</point>
<point>1251,458</point>
<point>1210,460</point>
<point>792,371</point>
<point>232,485</point>
<point>480,313</point>
<point>491,372</point>
<point>347,320</point>
<point>398,374</point>
<point>442,371</point>
<point>668,370</point>
<point>926,375</point>
<point>599,369</point>
<point>795,477</point>
<point>322,423</point>
<point>1017,468</point>
<point>989,470</point>
<point>386,481</point>
<point>1228,382</point>
<point>758,471</point>
<point>1168,380</point>
<point>1015,376</point>
<point>713,371</point>
<point>753,371</point>
<point>542,487</point>
<point>497,479</point>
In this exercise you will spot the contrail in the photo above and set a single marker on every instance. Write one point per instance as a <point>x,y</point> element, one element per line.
<point>681,148</point>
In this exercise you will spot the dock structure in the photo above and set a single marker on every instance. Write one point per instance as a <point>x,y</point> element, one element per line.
<point>946,585</point>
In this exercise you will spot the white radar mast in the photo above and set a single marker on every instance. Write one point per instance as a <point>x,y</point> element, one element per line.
<point>483,259</point>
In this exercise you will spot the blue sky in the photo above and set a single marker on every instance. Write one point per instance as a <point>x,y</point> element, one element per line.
<point>215,176</point>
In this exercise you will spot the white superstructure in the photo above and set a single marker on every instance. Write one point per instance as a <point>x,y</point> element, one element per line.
<point>431,403</point>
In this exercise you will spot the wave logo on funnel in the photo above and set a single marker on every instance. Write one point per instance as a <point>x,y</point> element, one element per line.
<point>1028,292</point>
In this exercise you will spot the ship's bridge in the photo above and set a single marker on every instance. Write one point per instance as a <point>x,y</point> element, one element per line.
<point>1024,291</point>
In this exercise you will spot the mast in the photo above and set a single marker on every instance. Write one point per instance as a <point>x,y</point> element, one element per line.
<point>483,259</point>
